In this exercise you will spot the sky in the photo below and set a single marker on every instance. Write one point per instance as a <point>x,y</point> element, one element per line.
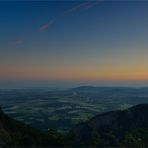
<point>74,42</point>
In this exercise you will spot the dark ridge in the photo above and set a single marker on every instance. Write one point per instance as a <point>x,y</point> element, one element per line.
<point>127,128</point>
<point>17,134</point>
<point>115,124</point>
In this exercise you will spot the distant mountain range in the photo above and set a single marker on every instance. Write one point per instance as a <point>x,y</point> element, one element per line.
<point>127,128</point>
<point>97,88</point>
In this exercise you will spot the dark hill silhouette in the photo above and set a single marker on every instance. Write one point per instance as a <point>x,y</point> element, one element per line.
<point>111,127</point>
<point>127,128</point>
<point>17,134</point>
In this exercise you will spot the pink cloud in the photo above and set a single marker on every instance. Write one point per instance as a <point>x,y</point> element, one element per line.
<point>45,26</point>
<point>84,5</point>
<point>81,6</point>
<point>76,8</point>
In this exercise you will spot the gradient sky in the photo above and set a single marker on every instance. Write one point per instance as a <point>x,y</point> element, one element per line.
<point>74,41</point>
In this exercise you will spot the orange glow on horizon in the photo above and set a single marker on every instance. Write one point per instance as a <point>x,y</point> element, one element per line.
<point>74,74</point>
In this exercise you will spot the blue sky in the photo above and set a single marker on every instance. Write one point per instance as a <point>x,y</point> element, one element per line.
<point>74,41</point>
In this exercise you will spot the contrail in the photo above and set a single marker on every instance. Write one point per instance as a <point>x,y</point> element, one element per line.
<point>46,26</point>
<point>93,4</point>
<point>75,8</point>
<point>84,5</point>
<point>81,6</point>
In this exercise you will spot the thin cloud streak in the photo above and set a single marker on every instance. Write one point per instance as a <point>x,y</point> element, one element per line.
<point>45,26</point>
<point>84,5</point>
<point>81,6</point>
<point>76,8</point>
<point>93,4</point>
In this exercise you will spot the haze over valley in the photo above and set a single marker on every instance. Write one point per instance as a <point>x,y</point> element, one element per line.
<point>45,108</point>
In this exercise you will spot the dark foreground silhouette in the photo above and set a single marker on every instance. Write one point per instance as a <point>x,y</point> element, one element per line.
<point>127,128</point>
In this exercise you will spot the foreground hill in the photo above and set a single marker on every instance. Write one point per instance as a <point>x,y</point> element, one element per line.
<point>17,134</point>
<point>116,128</point>
<point>127,128</point>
